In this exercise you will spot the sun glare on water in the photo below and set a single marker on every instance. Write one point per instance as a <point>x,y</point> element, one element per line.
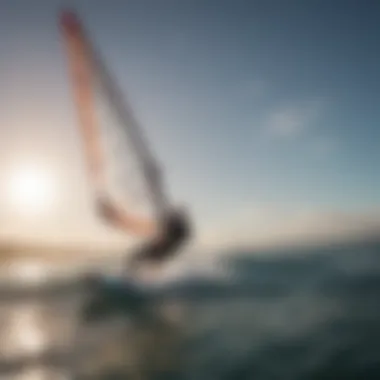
<point>32,189</point>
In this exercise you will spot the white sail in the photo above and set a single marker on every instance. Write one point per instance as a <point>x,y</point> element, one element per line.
<point>124,174</point>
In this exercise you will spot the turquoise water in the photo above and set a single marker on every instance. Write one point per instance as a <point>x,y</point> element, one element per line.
<point>305,314</point>
<point>309,315</point>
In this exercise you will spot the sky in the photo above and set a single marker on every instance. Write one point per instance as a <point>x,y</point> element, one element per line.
<point>264,113</point>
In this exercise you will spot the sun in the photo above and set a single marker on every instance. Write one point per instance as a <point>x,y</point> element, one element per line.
<point>32,189</point>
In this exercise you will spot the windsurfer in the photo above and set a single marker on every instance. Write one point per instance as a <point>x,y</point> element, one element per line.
<point>175,231</point>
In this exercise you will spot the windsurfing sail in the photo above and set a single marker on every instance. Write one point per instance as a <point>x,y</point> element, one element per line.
<point>124,174</point>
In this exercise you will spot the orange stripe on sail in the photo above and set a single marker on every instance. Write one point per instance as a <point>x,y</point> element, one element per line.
<point>81,75</point>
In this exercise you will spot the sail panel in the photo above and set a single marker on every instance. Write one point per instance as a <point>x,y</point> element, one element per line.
<point>125,177</point>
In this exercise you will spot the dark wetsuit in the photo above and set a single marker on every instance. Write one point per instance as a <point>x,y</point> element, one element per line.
<point>175,232</point>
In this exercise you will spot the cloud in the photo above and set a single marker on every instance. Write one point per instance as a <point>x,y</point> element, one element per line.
<point>293,119</point>
<point>266,226</point>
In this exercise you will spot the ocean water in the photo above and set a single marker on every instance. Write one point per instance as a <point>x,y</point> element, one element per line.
<point>295,314</point>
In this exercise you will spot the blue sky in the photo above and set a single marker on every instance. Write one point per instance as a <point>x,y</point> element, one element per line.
<point>245,102</point>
